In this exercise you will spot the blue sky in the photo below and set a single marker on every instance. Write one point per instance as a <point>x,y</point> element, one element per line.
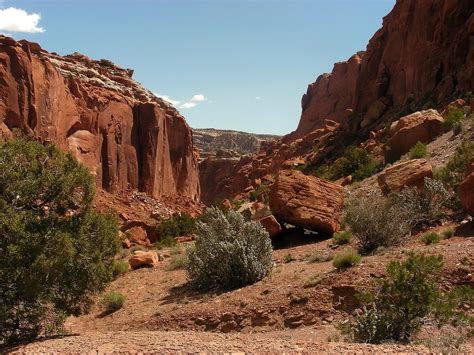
<point>231,64</point>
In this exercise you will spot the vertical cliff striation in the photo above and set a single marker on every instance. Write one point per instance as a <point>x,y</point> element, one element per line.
<point>125,135</point>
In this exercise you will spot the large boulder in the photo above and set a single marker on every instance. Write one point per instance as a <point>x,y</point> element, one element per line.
<point>410,173</point>
<point>143,259</point>
<point>422,126</point>
<point>466,189</point>
<point>307,201</point>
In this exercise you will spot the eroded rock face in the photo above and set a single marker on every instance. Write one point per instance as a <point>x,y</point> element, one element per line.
<point>423,52</point>
<point>410,173</point>
<point>125,135</point>
<point>307,201</point>
<point>422,126</point>
<point>466,190</point>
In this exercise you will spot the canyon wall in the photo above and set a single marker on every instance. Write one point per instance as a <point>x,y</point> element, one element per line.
<point>127,137</point>
<point>423,54</point>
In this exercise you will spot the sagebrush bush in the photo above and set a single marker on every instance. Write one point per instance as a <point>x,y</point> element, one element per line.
<point>288,258</point>
<point>409,296</point>
<point>229,252</point>
<point>319,257</point>
<point>56,252</point>
<point>418,151</point>
<point>342,237</point>
<point>313,280</point>
<point>346,259</point>
<point>430,238</point>
<point>376,221</point>
<point>426,206</point>
<point>112,301</point>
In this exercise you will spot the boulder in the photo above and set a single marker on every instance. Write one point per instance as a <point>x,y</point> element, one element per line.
<point>253,210</point>
<point>271,225</point>
<point>138,236</point>
<point>410,173</point>
<point>307,201</point>
<point>422,126</point>
<point>466,190</point>
<point>143,259</point>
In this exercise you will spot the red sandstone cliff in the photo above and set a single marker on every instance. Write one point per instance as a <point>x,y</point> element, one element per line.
<point>125,135</point>
<point>423,52</point>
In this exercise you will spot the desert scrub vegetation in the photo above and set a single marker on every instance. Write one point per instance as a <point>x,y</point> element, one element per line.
<point>453,173</point>
<point>354,161</point>
<point>229,252</point>
<point>379,221</point>
<point>430,238</point>
<point>262,190</point>
<point>426,206</point>
<point>342,237</point>
<point>313,280</point>
<point>345,259</point>
<point>288,258</point>
<point>453,117</point>
<point>376,221</point>
<point>319,257</point>
<point>56,252</point>
<point>447,233</point>
<point>112,301</point>
<point>418,151</point>
<point>177,225</point>
<point>407,298</point>
<point>120,267</point>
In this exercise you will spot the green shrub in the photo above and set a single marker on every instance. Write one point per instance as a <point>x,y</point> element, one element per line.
<point>178,225</point>
<point>288,258</point>
<point>120,267</point>
<point>453,117</point>
<point>166,241</point>
<point>455,170</point>
<point>425,206</point>
<point>112,301</point>
<point>346,259</point>
<point>376,221</point>
<point>354,161</point>
<point>56,252</point>
<point>342,237</point>
<point>448,233</point>
<point>418,151</point>
<point>262,189</point>
<point>229,252</point>
<point>409,296</point>
<point>430,238</point>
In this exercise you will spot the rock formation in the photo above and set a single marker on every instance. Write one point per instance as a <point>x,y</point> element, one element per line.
<point>307,201</point>
<point>422,55</point>
<point>422,52</point>
<point>423,126</point>
<point>227,143</point>
<point>410,173</point>
<point>125,135</point>
<point>466,189</point>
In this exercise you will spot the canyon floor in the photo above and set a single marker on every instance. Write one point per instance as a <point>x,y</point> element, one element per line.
<point>278,314</point>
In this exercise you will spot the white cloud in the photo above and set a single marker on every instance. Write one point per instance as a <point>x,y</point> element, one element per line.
<point>188,105</point>
<point>193,102</point>
<point>198,98</point>
<point>257,98</point>
<point>18,20</point>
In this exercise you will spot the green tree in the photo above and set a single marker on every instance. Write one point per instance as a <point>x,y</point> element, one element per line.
<point>55,251</point>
